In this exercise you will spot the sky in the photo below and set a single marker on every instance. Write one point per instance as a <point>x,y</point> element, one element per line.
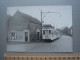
<point>59,17</point>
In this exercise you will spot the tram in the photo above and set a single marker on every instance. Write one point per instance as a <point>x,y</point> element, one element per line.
<point>50,34</point>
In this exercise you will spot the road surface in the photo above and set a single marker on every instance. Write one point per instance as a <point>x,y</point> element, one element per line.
<point>63,44</point>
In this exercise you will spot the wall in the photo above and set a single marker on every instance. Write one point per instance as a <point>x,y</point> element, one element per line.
<point>75,16</point>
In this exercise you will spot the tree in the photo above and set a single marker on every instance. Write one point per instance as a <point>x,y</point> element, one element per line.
<point>65,30</point>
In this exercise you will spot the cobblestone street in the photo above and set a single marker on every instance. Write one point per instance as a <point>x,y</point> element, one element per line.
<point>63,44</point>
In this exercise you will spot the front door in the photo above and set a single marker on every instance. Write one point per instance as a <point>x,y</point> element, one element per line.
<point>26,36</point>
<point>38,36</point>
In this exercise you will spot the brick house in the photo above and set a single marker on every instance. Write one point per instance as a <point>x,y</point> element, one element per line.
<point>22,27</point>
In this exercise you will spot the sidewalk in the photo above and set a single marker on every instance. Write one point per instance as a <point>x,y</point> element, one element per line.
<point>11,42</point>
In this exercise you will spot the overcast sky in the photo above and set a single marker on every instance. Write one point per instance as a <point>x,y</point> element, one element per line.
<point>61,16</point>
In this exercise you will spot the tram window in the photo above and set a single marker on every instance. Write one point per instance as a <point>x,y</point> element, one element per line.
<point>49,31</point>
<point>43,31</point>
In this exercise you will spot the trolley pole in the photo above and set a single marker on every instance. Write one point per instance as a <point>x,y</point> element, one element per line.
<point>42,16</point>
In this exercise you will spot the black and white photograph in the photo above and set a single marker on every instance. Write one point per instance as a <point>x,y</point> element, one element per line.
<point>39,29</point>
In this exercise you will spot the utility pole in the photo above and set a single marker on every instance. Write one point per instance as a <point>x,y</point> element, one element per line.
<point>41,24</point>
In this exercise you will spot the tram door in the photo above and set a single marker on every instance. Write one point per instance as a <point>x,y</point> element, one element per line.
<point>46,34</point>
<point>26,36</point>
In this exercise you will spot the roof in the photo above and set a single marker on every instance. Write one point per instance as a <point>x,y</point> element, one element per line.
<point>27,17</point>
<point>47,25</point>
<point>21,21</point>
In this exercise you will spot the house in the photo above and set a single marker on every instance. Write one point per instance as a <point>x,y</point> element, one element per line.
<point>23,28</point>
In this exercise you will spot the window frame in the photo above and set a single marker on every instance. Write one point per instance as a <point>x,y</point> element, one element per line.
<point>13,37</point>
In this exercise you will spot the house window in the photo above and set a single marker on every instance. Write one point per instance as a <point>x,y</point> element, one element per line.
<point>13,35</point>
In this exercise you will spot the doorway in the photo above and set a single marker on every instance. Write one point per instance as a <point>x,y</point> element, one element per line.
<point>26,36</point>
<point>38,35</point>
